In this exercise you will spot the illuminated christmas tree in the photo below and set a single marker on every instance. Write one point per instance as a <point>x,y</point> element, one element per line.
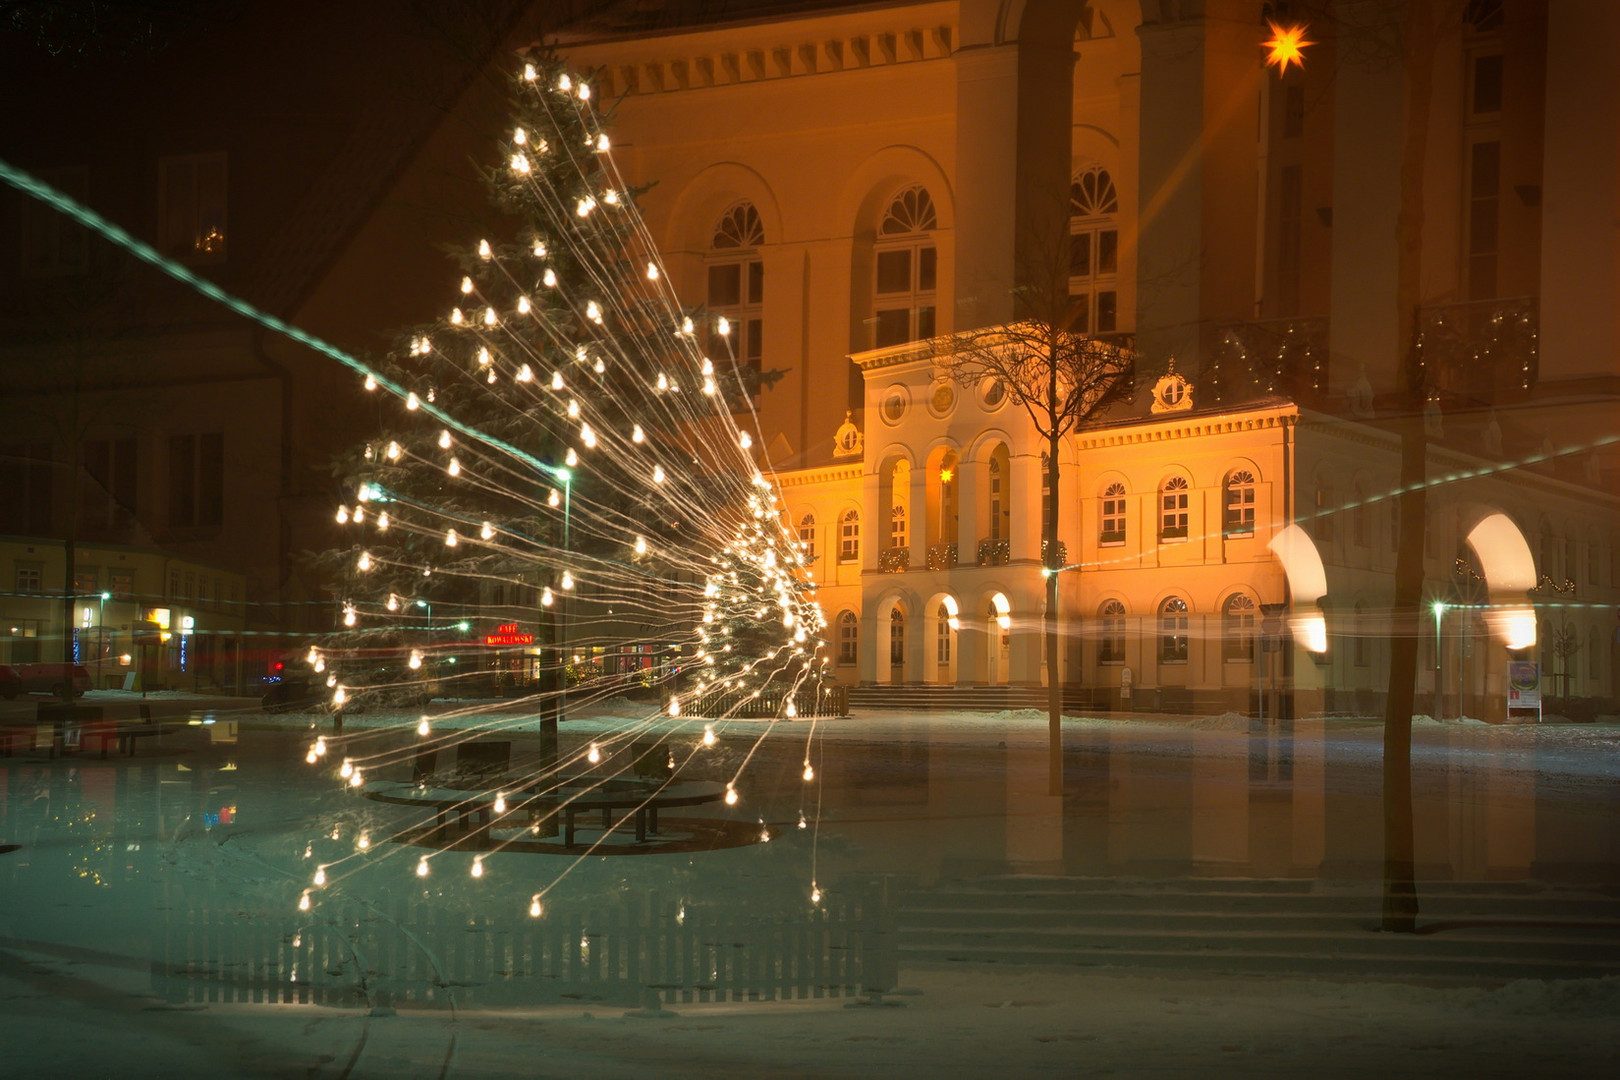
<point>561,472</point>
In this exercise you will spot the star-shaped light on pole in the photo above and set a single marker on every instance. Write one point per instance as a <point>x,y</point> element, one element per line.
<point>1285,47</point>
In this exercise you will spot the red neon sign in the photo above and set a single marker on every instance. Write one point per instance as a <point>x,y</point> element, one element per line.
<point>507,634</point>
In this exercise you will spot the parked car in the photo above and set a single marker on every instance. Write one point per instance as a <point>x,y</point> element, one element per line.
<point>66,681</point>
<point>10,682</point>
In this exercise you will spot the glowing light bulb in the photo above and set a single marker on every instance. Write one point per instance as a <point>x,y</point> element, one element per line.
<point>593,311</point>
<point>349,617</point>
<point>365,561</point>
<point>484,251</point>
<point>310,757</point>
<point>641,545</point>
<point>363,841</point>
<point>320,875</point>
<point>567,580</point>
<point>610,197</point>
<point>411,402</point>
<point>393,451</point>
<point>457,317</point>
<point>652,271</point>
<point>809,772</point>
<point>587,436</point>
<point>478,866</point>
<point>520,136</point>
<point>422,867</point>
<point>320,746</point>
<point>731,795</point>
<point>556,380</point>
<point>686,325</point>
<point>595,754</point>
<point>571,458</point>
<point>529,73</point>
<point>346,769</point>
<point>371,381</point>
<point>500,802</point>
<point>489,316</point>
<point>744,440</point>
<point>764,833</point>
<point>339,696</point>
<point>546,598</point>
<point>487,532</point>
<point>584,91</point>
<point>416,659</point>
<point>658,474</point>
<point>466,285</point>
<point>450,538</point>
<point>483,356</point>
<point>393,602</point>
<point>534,907</point>
<point>803,824</point>
<point>602,142</point>
<point>523,305</point>
<point>303,901</point>
<point>382,521</point>
<point>815,894</point>
<point>520,163</point>
<point>343,515</point>
<point>663,381</point>
<point>422,728</point>
<point>564,83</point>
<point>584,206</point>
<point>708,736</point>
<point>454,468</point>
<point>550,278</point>
<point>674,707</point>
<point>723,326</point>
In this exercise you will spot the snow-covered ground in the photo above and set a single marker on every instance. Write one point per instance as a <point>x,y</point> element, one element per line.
<point>1199,903</point>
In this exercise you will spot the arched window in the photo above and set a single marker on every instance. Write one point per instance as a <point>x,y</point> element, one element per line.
<point>1094,252</point>
<point>849,637</point>
<point>1237,629</point>
<point>1173,508</point>
<point>1360,516</point>
<point>1111,633</point>
<point>942,634</point>
<point>1111,529</point>
<point>897,638</point>
<point>807,537</point>
<point>899,530</point>
<point>1322,526</point>
<point>997,500</point>
<point>1239,516</point>
<point>849,536</point>
<point>1173,631</point>
<point>737,286</point>
<point>906,270</point>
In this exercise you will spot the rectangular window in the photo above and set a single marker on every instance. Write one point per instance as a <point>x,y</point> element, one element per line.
<point>26,508</point>
<point>1486,85</point>
<point>1290,225</point>
<point>1484,188</point>
<point>1293,111</point>
<point>30,577</point>
<point>191,207</point>
<point>1080,255</point>
<point>927,269</point>
<point>1107,311</point>
<point>1107,251</point>
<point>108,498</point>
<point>1113,520</point>
<point>894,271</point>
<point>22,641</point>
<point>849,539</point>
<point>121,583</point>
<point>725,285</point>
<point>53,243</point>
<point>197,479</point>
<point>848,640</point>
<point>1173,514</point>
<point>893,327</point>
<point>87,581</point>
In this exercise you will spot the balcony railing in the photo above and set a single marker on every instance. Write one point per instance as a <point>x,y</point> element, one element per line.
<point>942,557</point>
<point>995,551</point>
<point>895,560</point>
<point>1482,349</point>
<point>1271,356</point>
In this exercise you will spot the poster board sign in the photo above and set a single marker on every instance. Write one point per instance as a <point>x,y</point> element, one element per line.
<point>1524,686</point>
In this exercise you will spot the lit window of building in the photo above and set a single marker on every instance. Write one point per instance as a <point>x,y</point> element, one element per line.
<point>1239,515</point>
<point>1173,497</point>
<point>849,536</point>
<point>1237,629</point>
<point>1112,524</point>
<point>807,537</point>
<point>849,631</point>
<point>905,270</point>
<point>1094,252</point>
<point>1111,632</point>
<point>736,286</point>
<point>1173,623</point>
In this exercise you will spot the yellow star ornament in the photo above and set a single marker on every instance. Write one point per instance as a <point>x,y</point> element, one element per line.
<point>1285,47</point>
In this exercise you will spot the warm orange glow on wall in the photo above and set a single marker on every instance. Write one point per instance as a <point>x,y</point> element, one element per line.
<point>1286,47</point>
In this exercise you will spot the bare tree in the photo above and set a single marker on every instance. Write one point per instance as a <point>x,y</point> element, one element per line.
<point>1063,380</point>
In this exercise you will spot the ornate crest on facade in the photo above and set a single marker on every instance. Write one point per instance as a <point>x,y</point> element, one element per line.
<point>848,441</point>
<point>1172,393</point>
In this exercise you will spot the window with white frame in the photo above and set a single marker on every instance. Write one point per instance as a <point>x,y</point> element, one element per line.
<point>1111,525</point>
<point>849,536</point>
<point>997,501</point>
<point>942,634</point>
<point>1173,499</point>
<point>897,637</point>
<point>30,577</point>
<point>191,207</point>
<point>807,537</point>
<point>905,270</point>
<point>1238,519</point>
<point>899,530</point>
<point>1094,252</point>
<point>1237,629</point>
<point>1173,627</point>
<point>736,287</point>
<point>849,635</point>
<point>1111,632</point>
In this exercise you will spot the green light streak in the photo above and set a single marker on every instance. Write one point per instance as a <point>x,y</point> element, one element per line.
<point>30,185</point>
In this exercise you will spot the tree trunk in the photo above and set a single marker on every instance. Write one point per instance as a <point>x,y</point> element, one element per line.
<point>1049,560</point>
<point>1400,906</point>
